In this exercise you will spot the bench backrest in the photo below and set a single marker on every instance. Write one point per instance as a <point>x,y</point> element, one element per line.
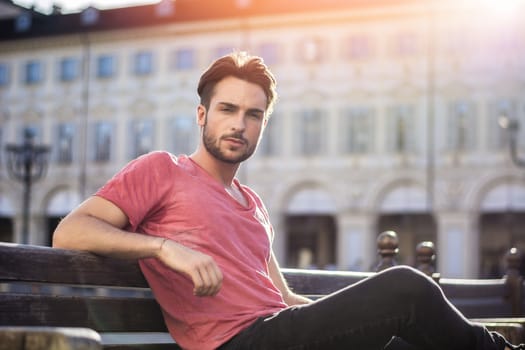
<point>475,298</point>
<point>42,286</point>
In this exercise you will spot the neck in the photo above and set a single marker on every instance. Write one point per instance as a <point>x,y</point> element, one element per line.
<point>222,171</point>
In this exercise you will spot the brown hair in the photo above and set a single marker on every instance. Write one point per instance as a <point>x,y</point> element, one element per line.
<point>243,66</point>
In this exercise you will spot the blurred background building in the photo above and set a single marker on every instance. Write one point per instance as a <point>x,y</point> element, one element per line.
<point>387,117</point>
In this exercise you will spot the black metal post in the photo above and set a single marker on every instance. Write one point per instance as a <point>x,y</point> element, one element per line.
<point>26,163</point>
<point>513,126</point>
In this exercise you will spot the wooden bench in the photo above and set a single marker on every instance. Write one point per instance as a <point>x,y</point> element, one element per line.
<point>60,299</point>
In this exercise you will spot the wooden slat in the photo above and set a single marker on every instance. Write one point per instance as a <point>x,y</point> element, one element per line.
<point>146,341</point>
<point>481,308</point>
<point>482,288</point>
<point>475,298</point>
<point>316,282</point>
<point>45,338</point>
<point>44,264</point>
<point>140,346</point>
<point>102,314</point>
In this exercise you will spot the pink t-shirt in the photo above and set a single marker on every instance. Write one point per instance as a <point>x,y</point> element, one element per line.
<point>166,196</point>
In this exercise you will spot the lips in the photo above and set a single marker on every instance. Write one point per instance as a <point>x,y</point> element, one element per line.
<point>235,140</point>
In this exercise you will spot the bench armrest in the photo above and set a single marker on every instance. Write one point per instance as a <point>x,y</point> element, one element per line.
<point>512,328</point>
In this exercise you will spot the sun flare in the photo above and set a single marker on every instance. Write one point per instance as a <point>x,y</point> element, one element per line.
<point>503,7</point>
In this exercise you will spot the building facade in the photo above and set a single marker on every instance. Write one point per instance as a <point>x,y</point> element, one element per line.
<point>387,118</point>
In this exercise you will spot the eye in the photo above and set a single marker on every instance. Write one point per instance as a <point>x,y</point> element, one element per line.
<point>255,115</point>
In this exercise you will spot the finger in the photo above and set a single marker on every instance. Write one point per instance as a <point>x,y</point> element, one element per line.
<point>217,273</point>
<point>197,282</point>
<point>212,282</point>
<point>215,279</point>
<point>211,277</point>
<point>200,290</point>
<point>206,278</point>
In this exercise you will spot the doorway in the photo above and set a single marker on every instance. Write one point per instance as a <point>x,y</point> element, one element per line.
<point>311,241</point>
<point>6,230</point>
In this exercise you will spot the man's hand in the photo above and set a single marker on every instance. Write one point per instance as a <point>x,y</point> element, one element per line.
<point>201,268</point>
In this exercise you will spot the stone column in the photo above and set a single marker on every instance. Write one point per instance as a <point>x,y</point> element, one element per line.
<point>279,241</point>
<point>355,242</point>
<point>457,245</point>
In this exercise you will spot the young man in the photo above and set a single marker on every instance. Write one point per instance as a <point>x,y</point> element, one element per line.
<point>204,244</point>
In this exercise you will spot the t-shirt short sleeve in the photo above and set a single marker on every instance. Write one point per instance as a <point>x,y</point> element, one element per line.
<point>137,189</point>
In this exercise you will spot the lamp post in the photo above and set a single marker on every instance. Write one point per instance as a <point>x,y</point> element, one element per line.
<point>27,163</point>
<point>512,126</point>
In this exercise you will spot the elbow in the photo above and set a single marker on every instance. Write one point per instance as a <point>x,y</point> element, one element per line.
<point>57,240</point>
<point>60,239</point>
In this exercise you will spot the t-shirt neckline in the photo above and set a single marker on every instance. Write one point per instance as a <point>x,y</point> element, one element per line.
<point>215,183</point>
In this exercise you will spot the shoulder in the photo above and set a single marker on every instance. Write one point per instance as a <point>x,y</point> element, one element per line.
<point>155,159</point>
<point>158,156</point>
<point>253,194</point>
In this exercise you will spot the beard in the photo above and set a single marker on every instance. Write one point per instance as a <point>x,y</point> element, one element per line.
<point>212,145</point>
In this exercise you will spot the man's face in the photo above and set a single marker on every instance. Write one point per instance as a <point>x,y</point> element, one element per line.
<point>234,122</point>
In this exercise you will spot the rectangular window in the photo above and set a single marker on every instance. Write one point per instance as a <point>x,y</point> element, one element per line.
<point>4,74</point>
<point>183,59</point>
<point>461,127</point>
<point>405,44</point>
<point>222,51</point>
<point>312,50</point>
<point>106,66</point>
<point>357,47</point>
<point>143,63</point>
<point>69,69</point>
<point>183,134</point>
<point>270,52</point>
<point>497,136</point>
<point>2,147</point>
<point>311,132</point>
<point>356,130</point>
<point>401,130</point>
<point>64,146</point>
<point>23,22</point>
<point>142,137</point>
<point>33,72</point>
<point>103,134</point>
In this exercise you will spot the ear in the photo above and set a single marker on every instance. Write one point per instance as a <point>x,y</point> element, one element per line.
<point>201,115</point>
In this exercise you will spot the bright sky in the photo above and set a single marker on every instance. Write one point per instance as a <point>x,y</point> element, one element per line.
<point>78,5</point>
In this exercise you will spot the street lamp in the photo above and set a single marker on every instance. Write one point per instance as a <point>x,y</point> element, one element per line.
<point>26,163</point>
<point>513,126</point>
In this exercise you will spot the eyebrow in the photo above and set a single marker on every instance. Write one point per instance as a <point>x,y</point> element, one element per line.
<point>250,110</point>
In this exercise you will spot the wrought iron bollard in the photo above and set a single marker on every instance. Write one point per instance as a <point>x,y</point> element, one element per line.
<point>514,281</point>
<point>425,258</point>
<point>387,247</point>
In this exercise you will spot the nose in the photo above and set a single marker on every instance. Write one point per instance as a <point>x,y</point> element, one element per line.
<point>238,123</point>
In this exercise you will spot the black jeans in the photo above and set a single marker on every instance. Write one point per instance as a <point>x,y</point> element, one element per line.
<point>399,308</point>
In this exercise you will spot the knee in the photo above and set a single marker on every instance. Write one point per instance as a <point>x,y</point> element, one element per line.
<point>410,282</point>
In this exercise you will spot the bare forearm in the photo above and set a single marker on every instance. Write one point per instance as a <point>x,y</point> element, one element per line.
<point>97,226</point>
<point>295,299</point>
<point>84,232</point>
<point>289,297</point>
